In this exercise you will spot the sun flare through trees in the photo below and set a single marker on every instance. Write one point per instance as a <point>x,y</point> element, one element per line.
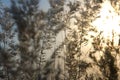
<point>73,40</point>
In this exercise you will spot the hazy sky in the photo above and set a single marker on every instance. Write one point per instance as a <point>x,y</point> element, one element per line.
<point>44,4</point>
<point>6,2</point>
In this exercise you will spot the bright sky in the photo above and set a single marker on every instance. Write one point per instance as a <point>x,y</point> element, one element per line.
<point>108,22</point>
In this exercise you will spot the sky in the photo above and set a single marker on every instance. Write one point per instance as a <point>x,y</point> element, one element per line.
<point>44,4</point>
<point>6,2</point>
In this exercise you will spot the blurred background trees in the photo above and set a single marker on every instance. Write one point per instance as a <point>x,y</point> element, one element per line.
<point>60,44</point>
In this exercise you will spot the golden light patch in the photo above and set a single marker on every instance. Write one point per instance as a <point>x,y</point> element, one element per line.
<point>108,22</point>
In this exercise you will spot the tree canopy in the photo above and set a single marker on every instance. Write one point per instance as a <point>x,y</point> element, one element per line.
<point>63,43</point>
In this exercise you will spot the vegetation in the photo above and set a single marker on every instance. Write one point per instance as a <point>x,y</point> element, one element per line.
<point>30,47</point>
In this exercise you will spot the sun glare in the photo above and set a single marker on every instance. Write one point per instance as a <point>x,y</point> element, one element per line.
<point>108,22</point>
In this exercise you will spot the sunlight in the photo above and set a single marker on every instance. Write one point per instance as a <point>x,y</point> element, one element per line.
<point>108,22</point>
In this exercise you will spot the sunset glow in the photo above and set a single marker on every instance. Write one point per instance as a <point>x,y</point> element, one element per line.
<point>108,22</point>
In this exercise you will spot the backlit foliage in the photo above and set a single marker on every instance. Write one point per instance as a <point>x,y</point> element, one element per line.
<point>32,47</point>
